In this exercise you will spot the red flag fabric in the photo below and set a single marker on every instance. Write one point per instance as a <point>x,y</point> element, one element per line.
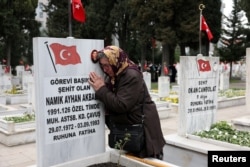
<point>145,66</point>
<point>165,70</point>
<point>65,55</point>
<point>204,65</point>
<point>78,11</point>
<point>204,27</point>
<point>7,69</point>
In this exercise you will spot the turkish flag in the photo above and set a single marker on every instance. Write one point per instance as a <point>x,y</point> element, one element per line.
<point>78,11</point>
<point>204,65</point>
<point>65,55</point>
<point>204,27</point>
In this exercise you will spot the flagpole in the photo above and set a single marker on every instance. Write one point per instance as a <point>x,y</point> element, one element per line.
<point>46,43</point>
<point>201,7</point>
<point>70,18</point>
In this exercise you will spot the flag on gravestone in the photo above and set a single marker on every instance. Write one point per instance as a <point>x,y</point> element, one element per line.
<point>204,27</point>
<point>78,11</point>
<point>203,65</point>
<point>65,55</point>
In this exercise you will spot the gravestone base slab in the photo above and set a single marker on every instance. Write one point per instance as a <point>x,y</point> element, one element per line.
<point>163,112</point>
<point>192,150</point>
<point>12,134</point>
<point>229,102</point>
<point>2,99</point>
<point>242,123</point>
<point>17,138</point>
<point>9,110</point>
<point>112,156</point>
<point>17,99</point>
<point>163,109</point>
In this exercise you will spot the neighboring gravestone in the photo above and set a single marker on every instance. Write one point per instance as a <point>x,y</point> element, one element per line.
<point>1,78</point>
<point>19,71</point>
<point>198,93</point>
<point>147,79</point>
<point>7,82</point>
<point>248,79</point>
<point>69,120</point>
<point>26,75</point>
<point>224,80</point>
<point>163,86</point>
<point>31,91</point>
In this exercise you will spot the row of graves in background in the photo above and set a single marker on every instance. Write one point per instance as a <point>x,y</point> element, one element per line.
<point>16,102</point>
<point>238,72</point>
<point>167,98</point>
<point>20,80</point>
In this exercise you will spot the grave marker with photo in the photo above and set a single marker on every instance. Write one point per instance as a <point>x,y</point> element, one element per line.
<point>69,120</point>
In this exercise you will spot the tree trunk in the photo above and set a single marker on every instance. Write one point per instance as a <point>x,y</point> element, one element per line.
<point>8,53</point>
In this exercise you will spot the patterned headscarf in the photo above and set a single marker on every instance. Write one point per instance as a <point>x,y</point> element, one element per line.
<point>118,60</point>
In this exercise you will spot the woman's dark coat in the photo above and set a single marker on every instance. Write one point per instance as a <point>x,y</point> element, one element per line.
<point>124,106</point>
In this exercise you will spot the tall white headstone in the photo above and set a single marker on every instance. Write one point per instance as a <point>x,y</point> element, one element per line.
<point>1,79</point>
<point>163,86</point>
<point>19,71</point>
<point>198,93</point>
<point>69,119</point>
<point>147,79</point>
<point>248,79</point>
<point>224,81</point>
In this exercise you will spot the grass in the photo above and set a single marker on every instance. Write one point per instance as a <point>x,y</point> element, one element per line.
<point>154,85</point>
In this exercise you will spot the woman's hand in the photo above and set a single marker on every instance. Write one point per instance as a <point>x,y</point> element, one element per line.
<point>95,81</point>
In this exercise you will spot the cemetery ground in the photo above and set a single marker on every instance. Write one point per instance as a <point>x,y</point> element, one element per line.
<point>25,155</point>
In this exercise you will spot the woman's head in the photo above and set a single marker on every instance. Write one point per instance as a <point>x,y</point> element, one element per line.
<point>106,66</point>
<point>115,57</point>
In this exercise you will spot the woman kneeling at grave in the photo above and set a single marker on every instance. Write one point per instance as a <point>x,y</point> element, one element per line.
<point>124,95</point>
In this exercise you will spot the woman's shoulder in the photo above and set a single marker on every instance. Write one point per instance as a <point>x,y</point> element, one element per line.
<point>133,71</point>
<point>131,74</point>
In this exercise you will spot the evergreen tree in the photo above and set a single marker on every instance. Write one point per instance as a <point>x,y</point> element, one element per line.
<point>18,27</point>
<point>233,37</point>
<point>245,5</point>
<point>143,25</point>
<point>165,29</point>
<point>97,25</point>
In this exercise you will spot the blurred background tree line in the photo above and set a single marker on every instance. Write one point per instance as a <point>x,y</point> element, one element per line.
<point>154,30</point>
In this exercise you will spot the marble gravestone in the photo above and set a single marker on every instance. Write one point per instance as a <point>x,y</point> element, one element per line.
<point>69,120</point>
<point>224,80</point>
<point>19,71</point>
<point>1,78</point>
<point>248,79</point>
<point>163,86</point>
<point>147,79</point>
<point>198,93</point>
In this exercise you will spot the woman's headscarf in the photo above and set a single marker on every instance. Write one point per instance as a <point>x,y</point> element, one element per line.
<point>118,60</point>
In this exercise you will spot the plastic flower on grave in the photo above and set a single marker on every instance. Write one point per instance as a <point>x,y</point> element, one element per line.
<point>224,132</point>
<point>229,93</point>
